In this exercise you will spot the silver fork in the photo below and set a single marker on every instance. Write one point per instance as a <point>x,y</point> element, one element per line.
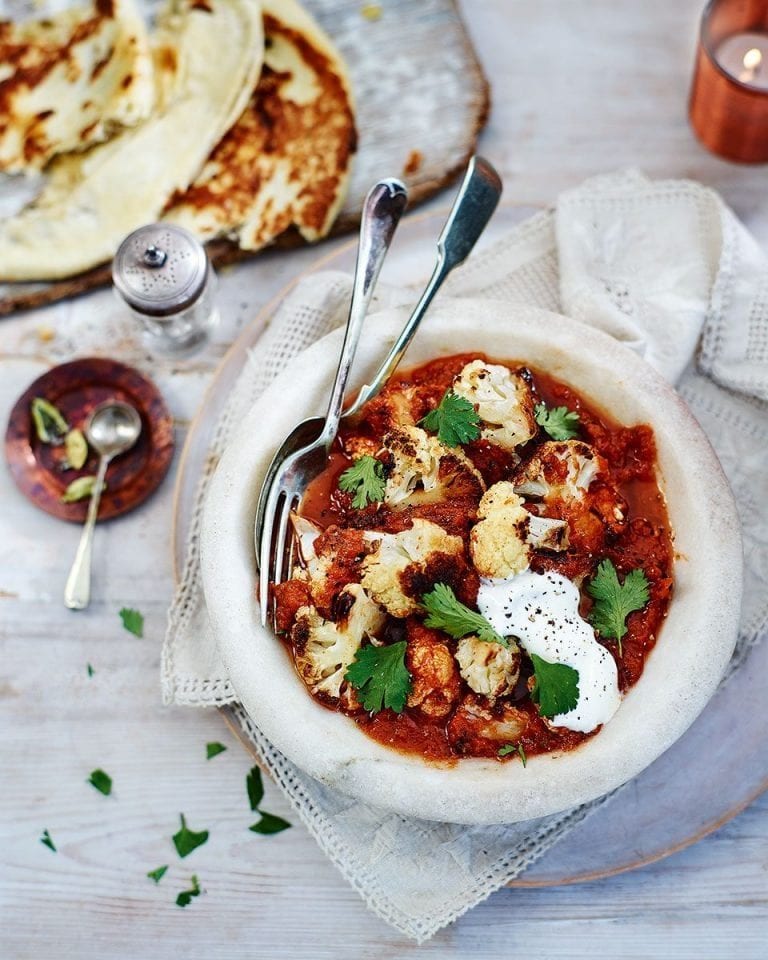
<point>289,475</point>
<point>475,202</point>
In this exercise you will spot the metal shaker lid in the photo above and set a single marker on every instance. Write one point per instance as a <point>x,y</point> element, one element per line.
<point>160,269</point>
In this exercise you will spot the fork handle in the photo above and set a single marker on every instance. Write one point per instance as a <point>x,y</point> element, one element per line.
<point>382,210</point>
<point>473,207</point>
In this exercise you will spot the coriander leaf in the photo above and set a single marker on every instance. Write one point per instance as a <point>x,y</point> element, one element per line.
<point>513,748</point>
<point>90,669</point>
<point>79,489</point>
<point>157,875</point>
<point>213,749</point>
<point>365,478</point>
<point>50,425</point>
<point>133,621</point>
<point>556,687</point>
<point>102,781</point>
<point>47,841</point>
<point>614,601</point>
<point>447,613</point>
<point>269,824</point>
<point>255,787</point>
<point>381,678</point>
<point>455,420</point>
<point>185,897</point>
<point>187,840</point>
<point>559,422</point>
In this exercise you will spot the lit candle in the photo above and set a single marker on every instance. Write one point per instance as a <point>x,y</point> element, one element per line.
<point>745,57</point>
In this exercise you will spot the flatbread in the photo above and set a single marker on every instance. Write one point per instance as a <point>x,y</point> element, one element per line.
<point>70,81</point>
<point>286,162</point>
<point>680,674</point>
<point>208,58</point>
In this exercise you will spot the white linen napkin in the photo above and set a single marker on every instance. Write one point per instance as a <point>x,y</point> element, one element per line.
<point>664,267</point>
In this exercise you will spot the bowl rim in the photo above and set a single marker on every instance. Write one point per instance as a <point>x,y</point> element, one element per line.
<point>680,675</point>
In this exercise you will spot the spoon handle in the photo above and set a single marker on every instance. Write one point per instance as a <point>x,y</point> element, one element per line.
<point>77,593</point>
<point>473,207</point>
<point>382,210</point>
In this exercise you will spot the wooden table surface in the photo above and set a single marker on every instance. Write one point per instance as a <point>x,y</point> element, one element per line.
<point>579,87</point>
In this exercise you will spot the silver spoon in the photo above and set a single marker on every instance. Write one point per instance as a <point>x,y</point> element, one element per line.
<point>112,428</point>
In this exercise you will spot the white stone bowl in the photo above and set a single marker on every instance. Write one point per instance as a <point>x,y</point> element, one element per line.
<point>681,673</point>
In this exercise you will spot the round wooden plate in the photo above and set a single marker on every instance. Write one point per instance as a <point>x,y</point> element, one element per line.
<point>76,388</point>
<point>717,769</point>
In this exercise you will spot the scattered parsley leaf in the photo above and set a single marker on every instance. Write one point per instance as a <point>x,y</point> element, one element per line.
<point>556,687</point>
<point>559,422</point>
<point>371,11</point>
<point>102,781</point>
<point>47,841</point>
<point>50,425</point>
<point>90,669</point>
<point>455,420</point>
<point>380,676</point>
<point>513,748</point>
<point>269,824</point>
<point>213,749</point>
<point>79,489</point>
<point>614,601</point>
<point>185,897</point>
<point>157,875</point>
<point>365,478</point>
<point>187,840</point>
<point>446,612</point>
<point>133,621</point>
<point>255,787</point>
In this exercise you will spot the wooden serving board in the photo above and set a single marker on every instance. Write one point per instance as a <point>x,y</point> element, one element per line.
<point>421,99</point>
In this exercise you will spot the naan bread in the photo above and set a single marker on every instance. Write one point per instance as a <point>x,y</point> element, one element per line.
<point>287,159</point>
<point>70,81</point>
<point>208,59</point>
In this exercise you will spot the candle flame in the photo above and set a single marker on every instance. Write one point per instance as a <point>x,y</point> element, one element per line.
<point>752,59</point>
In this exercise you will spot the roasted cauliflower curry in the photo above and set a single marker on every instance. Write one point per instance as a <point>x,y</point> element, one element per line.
<point>483,566</point>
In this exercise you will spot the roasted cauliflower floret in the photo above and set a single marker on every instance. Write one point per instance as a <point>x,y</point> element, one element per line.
<point>425,471</point>
<point>488,668</point>
<point>358,446</point>
<point>434,678</point>
<point>324,649</point>
<point>331,559</point>
<point>402,563</point>
<point>503,400</point>
<point>479,729</point>
<point>501,542</point>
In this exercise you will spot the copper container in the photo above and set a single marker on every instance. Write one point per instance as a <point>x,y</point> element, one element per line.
<point>728,107</point>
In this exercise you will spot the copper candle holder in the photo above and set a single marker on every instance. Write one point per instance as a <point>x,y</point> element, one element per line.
<point>729,98</point>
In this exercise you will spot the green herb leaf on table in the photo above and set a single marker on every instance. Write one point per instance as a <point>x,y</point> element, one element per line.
<point>79,489</point>
<point>559,423</point>
<point>157,875</point>
<point>380,677</point>
<point>102,781</point>
<point>213,749</point>
<point>47,841</point>
<point>90,669</point>
<point>447,613</point>
<point>556,687</point>
<point>50,425</point>
<point>455,420</point>
<point>614,601</point>
<point>133,621</point>
<point>513,748</point>
<point>185,897</point>
<point>76,447</point>
<point>365,478</point>
<point>187,840</point>
<point>255,787</point>
<point>269,824</point>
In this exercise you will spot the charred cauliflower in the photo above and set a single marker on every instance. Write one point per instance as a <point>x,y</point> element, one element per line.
<point>435,679</point>
<point>503,400</point>
<point>478,729</point>
<point>331,559</point>
<point>500,544</point>
<point>424,471</point>
<point>488,668</point>
<point>401,559</point>
<point>324,648</point>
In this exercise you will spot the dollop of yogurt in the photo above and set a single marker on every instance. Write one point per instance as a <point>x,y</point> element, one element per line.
<point>542,611</point>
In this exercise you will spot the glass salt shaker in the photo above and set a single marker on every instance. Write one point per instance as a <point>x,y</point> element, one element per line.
<point>163,274</point>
